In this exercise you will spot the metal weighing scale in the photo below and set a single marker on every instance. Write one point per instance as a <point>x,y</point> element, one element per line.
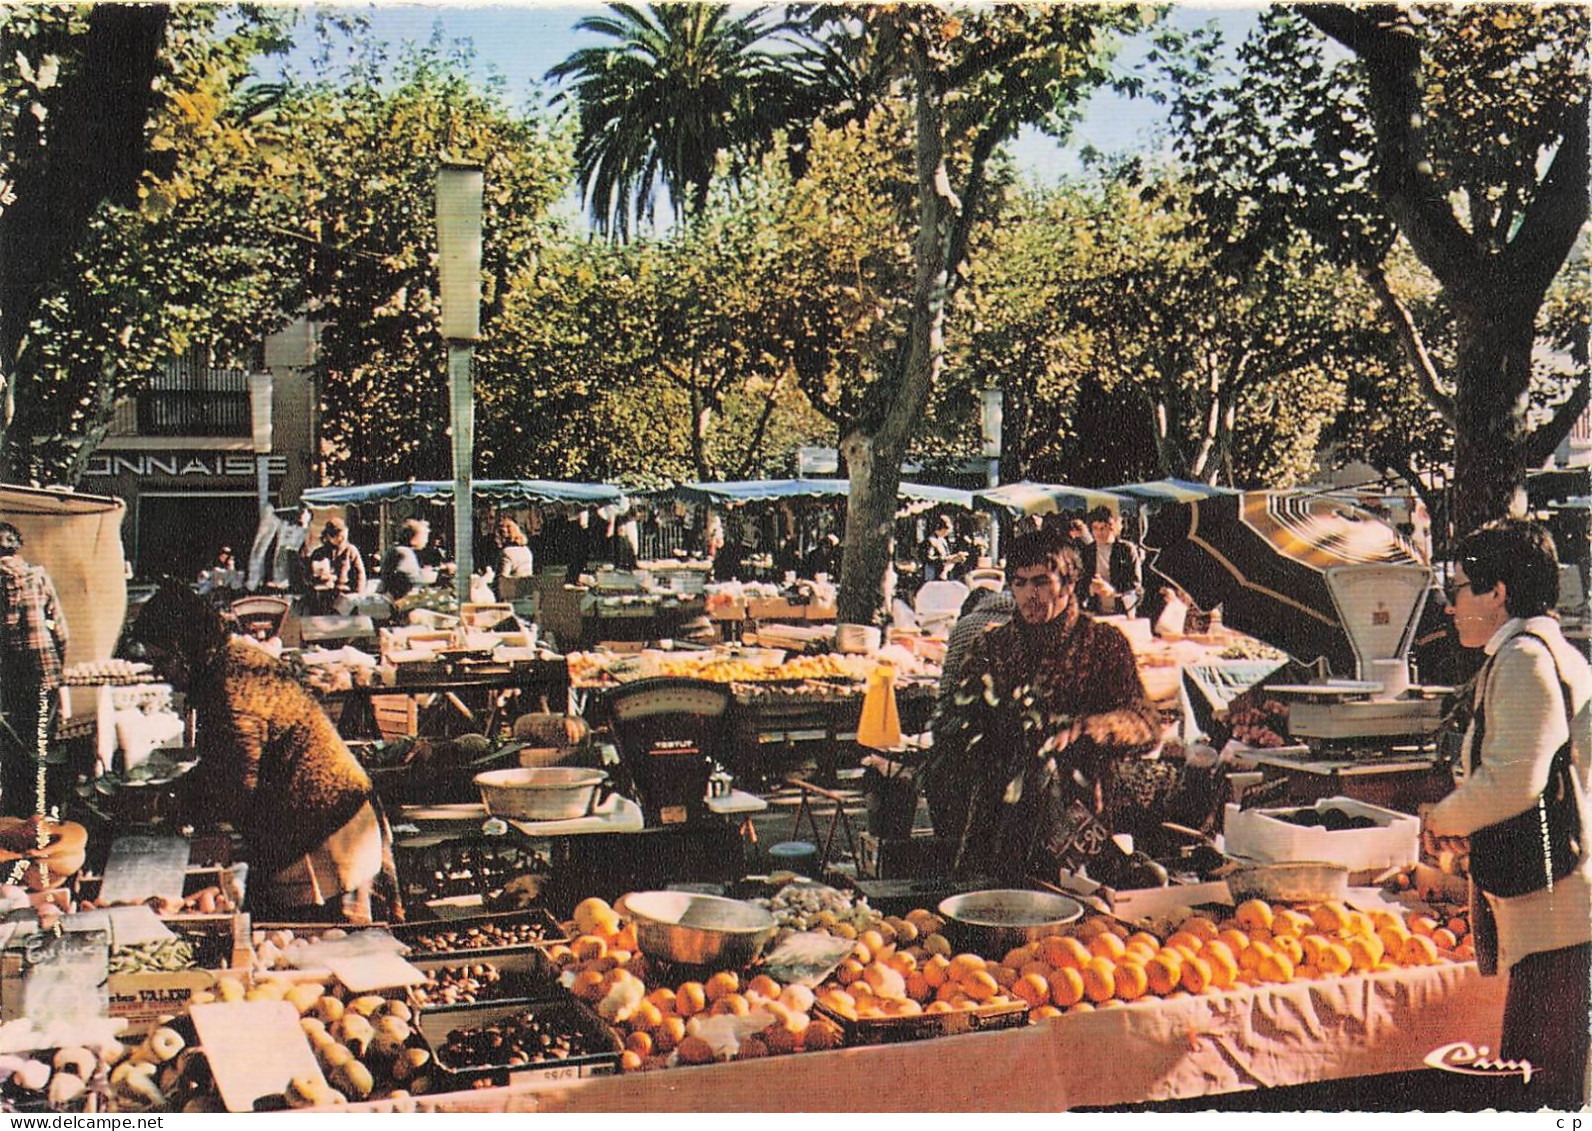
<point>669,732</point>
<point>1363,742</point>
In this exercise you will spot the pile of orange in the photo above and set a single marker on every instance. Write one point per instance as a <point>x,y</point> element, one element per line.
<point>603,968</point>
<point>904,967</point>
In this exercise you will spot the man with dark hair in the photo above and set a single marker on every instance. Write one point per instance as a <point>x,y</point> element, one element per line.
<point>337,561</point>
<point>32,653</point>
<point>1051,699</point>
<point>1531,703</point>
<point>1112,579</point>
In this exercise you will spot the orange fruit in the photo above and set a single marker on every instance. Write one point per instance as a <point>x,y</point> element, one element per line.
<point>733,1004</point>
<point>1164,971</point>
<point>937,1007</point>
<point>1290,946</point>
<point>663,999</point>
<point>1200,927</point>
<point>669,1034</point>
<point>1099,980</point>
<point>588,985</point>
<point>1185,942</point>
<point>690,999</point>
<point>1144,938</point>
<point>1041,1012</point>
<point>1196,978</point>
<point>918,988</point>
<point>1250,957</point>
<point>1019,956</point>
<point>722,983</point>
<point>640,1044</point>
<point>874,940</point>
<point>646,1016</point>
<point>1033,989</point>
<point>763,986</point>
<point>936,970</point>
<point>1004,975</point>
<point>1393,938</point>
<point>937,943</point>
<point>1064,952</point>
<point>1444,939</point>
<point>848,971</point>
<point>1254,913</point>
<point>1235,939</point>
<point>902,962</point>
<point>1131,981</point>
<point>1335,959</point>
<point>1365,951</point>
<point>1223,963</point>
<point>1107,945</point>
<point>625,939</point>
<point>1457,926</point>
<point>630,1061</point>
<point>587,947</point>
<point>1330,916</point>
<point>1276,967</point>
<point>1418,950</point>
<point>1422,925</point>
<point>1066,987</point>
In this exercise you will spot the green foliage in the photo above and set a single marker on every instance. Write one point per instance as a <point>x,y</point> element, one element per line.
<point>185,260</point>
<point>681,86</point>
<point>360,190</point>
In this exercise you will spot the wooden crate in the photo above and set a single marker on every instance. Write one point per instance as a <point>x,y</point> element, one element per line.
<point>397,716</point>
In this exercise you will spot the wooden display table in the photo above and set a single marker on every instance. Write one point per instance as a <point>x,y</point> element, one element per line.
<point>1149,1051</point>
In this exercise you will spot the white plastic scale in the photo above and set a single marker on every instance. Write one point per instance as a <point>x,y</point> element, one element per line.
<point>1379,607</point>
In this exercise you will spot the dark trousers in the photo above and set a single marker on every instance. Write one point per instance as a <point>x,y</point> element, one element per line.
<point>1546,1019</point>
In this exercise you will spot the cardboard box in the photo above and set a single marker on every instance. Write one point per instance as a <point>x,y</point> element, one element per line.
<point>1262,835</point>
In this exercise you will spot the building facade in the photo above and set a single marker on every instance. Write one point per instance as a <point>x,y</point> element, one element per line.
<point>181,454</point>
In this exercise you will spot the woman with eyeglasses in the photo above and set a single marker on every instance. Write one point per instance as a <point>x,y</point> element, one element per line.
<point>1531,698</point>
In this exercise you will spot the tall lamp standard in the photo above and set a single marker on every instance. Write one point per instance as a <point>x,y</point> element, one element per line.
<point>992,404</point>
<point>261,386</point>
<point>459,188</point>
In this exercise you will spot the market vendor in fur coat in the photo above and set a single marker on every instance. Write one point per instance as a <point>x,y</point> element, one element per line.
<point>1054,694</point>
<point>272,765</point>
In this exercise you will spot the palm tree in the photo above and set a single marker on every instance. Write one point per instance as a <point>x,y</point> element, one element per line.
<point>682,85</point>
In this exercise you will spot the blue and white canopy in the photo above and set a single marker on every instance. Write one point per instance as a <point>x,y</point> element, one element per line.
<point>543,491</point>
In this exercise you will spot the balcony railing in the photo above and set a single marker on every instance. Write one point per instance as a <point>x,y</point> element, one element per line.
<point>195,402</point>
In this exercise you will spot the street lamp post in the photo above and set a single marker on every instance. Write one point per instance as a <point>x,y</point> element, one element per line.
<point>992,403</point>
<point>261,386</point>
<point>459,190</point>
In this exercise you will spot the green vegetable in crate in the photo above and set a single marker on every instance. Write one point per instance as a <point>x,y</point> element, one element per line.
<point>153,957</point>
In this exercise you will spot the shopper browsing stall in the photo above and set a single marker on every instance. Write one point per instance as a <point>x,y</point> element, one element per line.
<point>401,571</point>
<point>272,765</point>
<point>32,651</point>
<point>1531,733</point>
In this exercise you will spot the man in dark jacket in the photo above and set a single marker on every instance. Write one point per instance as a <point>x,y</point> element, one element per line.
<point>1052,695</point>
<point>1112,580</point>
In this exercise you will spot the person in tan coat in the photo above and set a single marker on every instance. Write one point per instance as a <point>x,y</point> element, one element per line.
<point>273,766</point>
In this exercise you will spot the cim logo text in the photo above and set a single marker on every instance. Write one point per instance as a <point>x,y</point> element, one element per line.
<point>1469,1060</point>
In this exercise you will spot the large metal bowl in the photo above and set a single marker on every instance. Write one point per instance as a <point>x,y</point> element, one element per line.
<point>1000,919</point>
<point>698,930</point>
<point>552,793</point>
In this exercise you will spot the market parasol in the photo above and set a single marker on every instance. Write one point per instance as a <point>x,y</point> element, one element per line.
<point>1158,492</point>
<point>736,492</point>
<point>1018,499</point>
<point>1263,557</point>
<point>544,491</point>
